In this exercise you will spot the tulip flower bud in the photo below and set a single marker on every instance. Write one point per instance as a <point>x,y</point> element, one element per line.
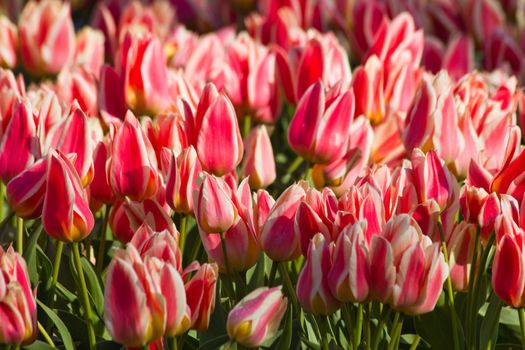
<point>217,137</point>
<point>214,209</point>
<point>9,43</point>
<point>47,36</point>
<point>259,163</point>
<point>312,286</point>
<point>133,164</point>
<point>135,310</point>
<point>319,130</point>
<point>19,146</point>
<point>65,215</point>
<point>349,275</point>
<point>263,203</point>
<point>257,316</point>
<point>182,180</point>
<point>17,301</point>
<point>25,193</point>
<point>278,238</point>
<point>200,295</point>
<point>460,246</point>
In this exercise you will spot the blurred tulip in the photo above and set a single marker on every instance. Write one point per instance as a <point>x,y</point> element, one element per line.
<point>9,43</point>
<point>200,295</point>
<point>368,88</point>
<point>47,36</point>
<point>133,164</point>
<point>89,50</point>
<point>259,163</point>
<point>17,301</point>
<point>78,84</point>
<point>19,146</point>
<point>319,130</point>
<point>458,59</point>
<point>65,215</point>
<point>182,180</point>
<point>313,290</point>
<point>112,104</point>
<point>135,310</point>
<point>278,238</point>
<point>257,316</point>
<point>349,275</point>
<point>25,192</point>
<point>217,138</point>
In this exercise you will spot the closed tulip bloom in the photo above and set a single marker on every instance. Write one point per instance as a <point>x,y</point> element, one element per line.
<point>17,301</point>
<point>81,85</point>
<point>47,36</point>
<point>278,237</point>
<point>217,137</point>
<point>259,163</point>
<point>320,129</point>
<point>99,189</point>
<point>460,246</point>
<point>25,193</point>
<point>119,222</point>
<point>65,215</point>
<point>257,316</point>
<point>263,203</point>
<point>368,88</point>
<point>182,180</point>
<point>135,310</point>
<point>214,209</point>
<point>200,295</point>
<point>89,50</point>
<point>160,245</point>
<point>8,42</point>
<point>349,275</point>
<point>133,164</point>
<point>313,290</point>
<point>19,146</point>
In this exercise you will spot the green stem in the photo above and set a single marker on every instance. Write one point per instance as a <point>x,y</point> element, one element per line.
<point>521,313</point>
<point>56,269</point>
<point>195,249</point>
<point>20,236</point>
<point>273,272</point>
<point>102,244</point>
<point>359,326</point>
<point>247,125</point>
<point>415,343</point>
<point>46,336</point>
<point>84,296</point>
<point>227,276</point>
<point>397,327</point>
<point>295,164</point>
<point>471,299</point>
<point>367,327</point>
<point>183,229</point>
<point>348,322</point>
<point>321,322</point>
<point>449,290</point>
<point>377,336</point>
<point>225,254</point>
<point>174,344</point>
<point>289,286</point>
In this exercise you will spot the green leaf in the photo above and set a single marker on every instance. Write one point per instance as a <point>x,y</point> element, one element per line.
<point>31,257</point>
<point>211,339</point>
<point>94,287</point>
<point>256,274</point>
<point>214,343</point>
<point>39,345</point>
<point>45,267</point>
<point>489,325</point>
<point>435,328</point>
<point>286,337</point>
<point>61,327</point>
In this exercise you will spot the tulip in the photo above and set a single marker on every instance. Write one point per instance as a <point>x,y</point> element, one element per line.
<point>112,104</point>
<point>368,88</point>
<point>89,50</point>
<point>151,213</point>
<point>8,42</point>
<point>319,130</point>
<point>182,180</point>
<point>47,36</point>
<point>349,275</point>
<point>278,238</point>
<point>257,316</point>
<point>135,310</point>
<point>263,203</point>
<point>133,164</point>
<point>19,146</point>
<point>145,72</point>
<point>160,245</point>
<point>119,223</point>
<point>460,246</point>
<point>78,84</point>
<point>12,89</point>
<point>200,295</point>
<point>313,290</point>
<point>99,189</point>
<point>259,163</point>
<point>217,138</point>
<point>17,301</point>
<point>65,215</point>
<point>214,209</point>
<point>25,193</point>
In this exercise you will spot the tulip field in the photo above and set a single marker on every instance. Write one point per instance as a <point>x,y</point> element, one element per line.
<point>271,174</point>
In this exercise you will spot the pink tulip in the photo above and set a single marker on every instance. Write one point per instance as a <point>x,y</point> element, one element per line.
<point>368,17</point>
<point>263,203</point>
<point>65,215</point>
<point>19,146</point>
<point>458,59</point>
<point>99,189</point>
<point>12,89</point>
<point>259,163</point>
<point>217,138</point>
<point>484,17</point>
<point>9,43</point>
<point>368,89</point>
<point>151,213</point>
<point>182,180</point>
<point>111,101</point>
<point>89,50</point>
<point>17,301</point>
<point>47,36</point>
<point>161,245</point>
<point>135,310</point>
<point>348,278</point>
<point>278,238</point>
<point>313,289</point>
<point>78,84</point>
<point>460,246</point>
<point>25,192</point>
<point>214,209</point>
<point>257,316</point>
<point>133,164</point>
<point>319,130</point>
<point>200,295</point>
<point>119,222</point>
